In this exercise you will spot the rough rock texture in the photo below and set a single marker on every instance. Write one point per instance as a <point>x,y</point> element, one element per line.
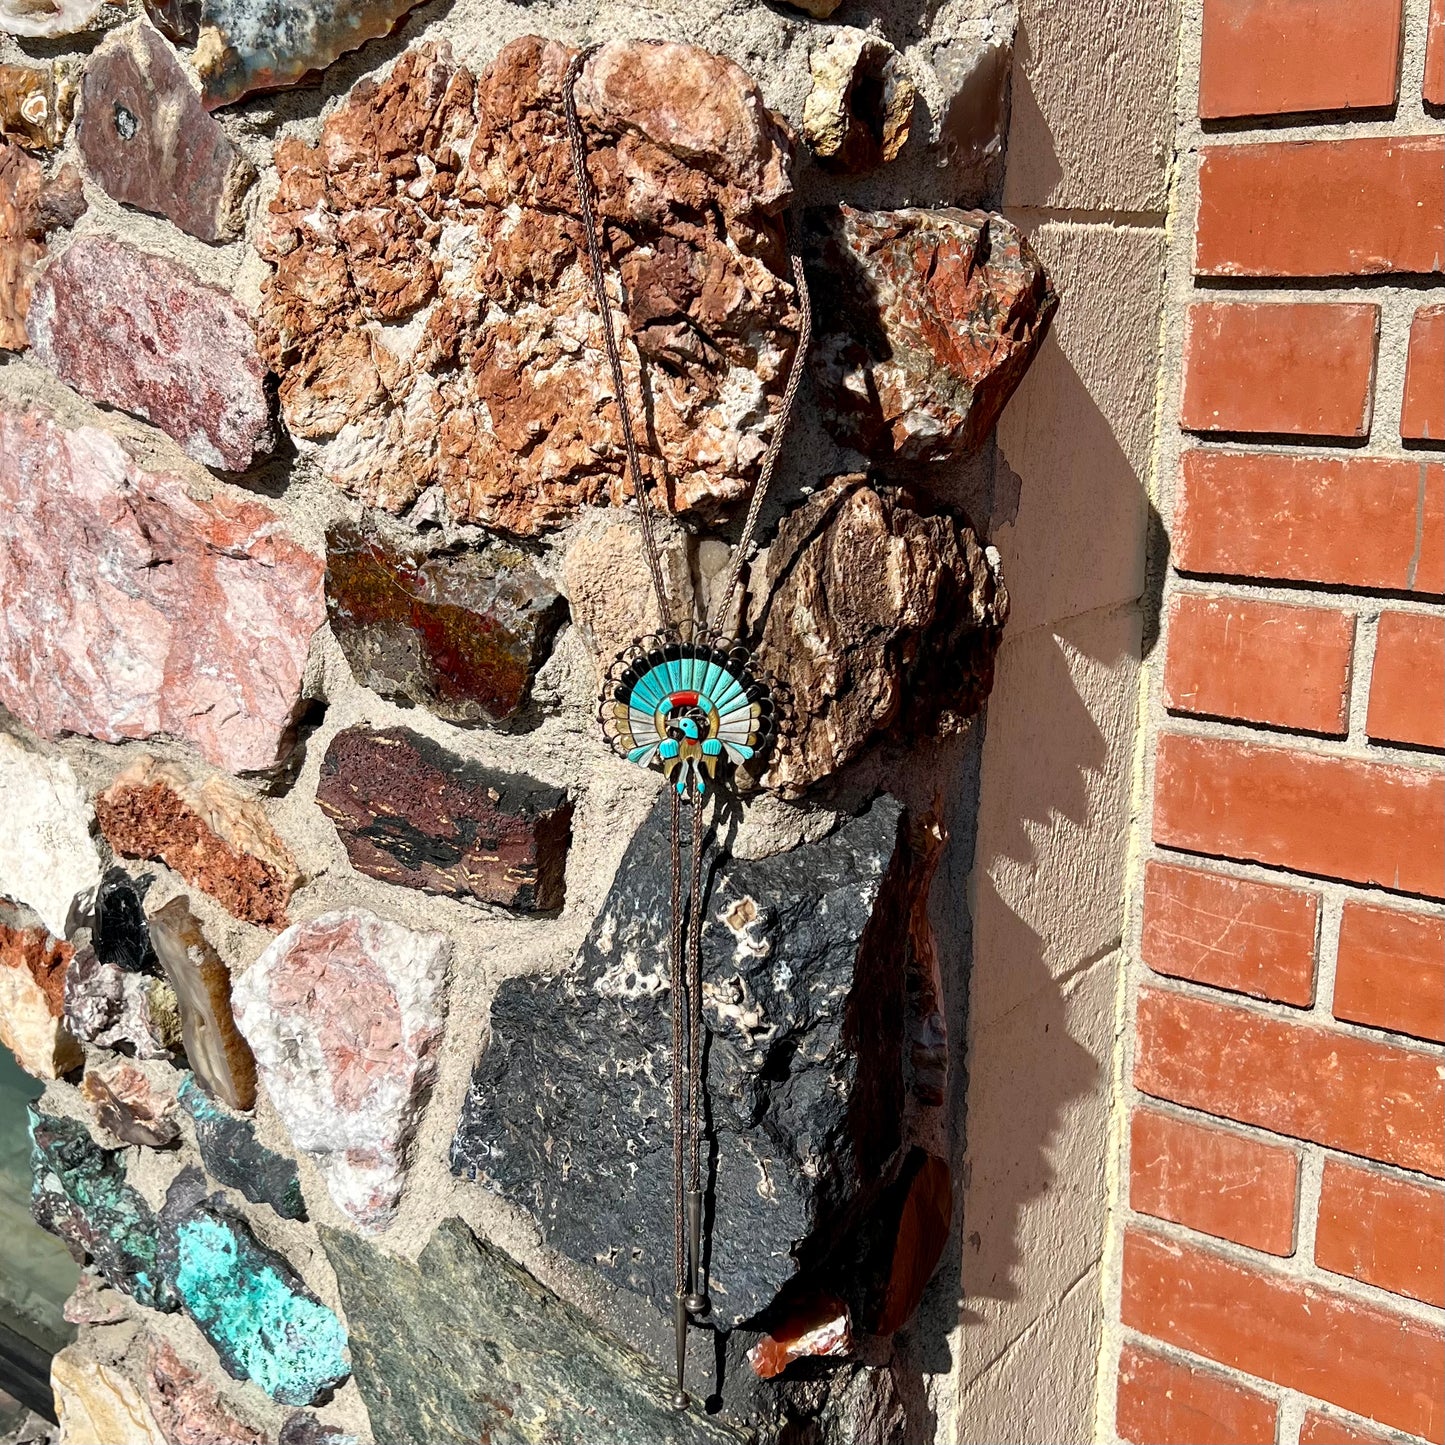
<point>262,1321</point>
<point>972,67</point>
<point>150,143</point>
<point>142,334</point>
<point>133,608</point>
<point>93,1302</point>
<point>857,114</point>
<point>248,45</point>
<point>926,322</point>
<point>233,1156</point>
<point>461,633</point>
<point>178,20</point>
<point>189,1410</point>
<point>44,19</point>
<point>202,983</point>
<point>431,316</point>
<point>544,1370</point>
<point>818,9</point>
<point>79,1193</point>
<point>345,1014</point>
<point>410,812</point>
<point>31,207</point>
<point>34,105</point>
<point>128,1105</point>
<point>877,614</point>
<point>47,859</point>
<point>119,931</point>
<point>805,1097</point>
<point>112,1007</point>
<point>303,1429</point>
<point>32,995</point>
<point>97,1402</point>
<point>211,832</point>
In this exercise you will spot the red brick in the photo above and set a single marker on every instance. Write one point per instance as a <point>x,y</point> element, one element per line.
<point>1253,938</point>
<point>1321,1429</point>
<point>1364,822</point>
<point>1168,1402</point>
<point>1367,522</point>
<point>1357,207</point>
<point>1390,973</point>
<point>1282,57</point>
<point>1214,1180</point>
<point>1304,1080</point>
<point>1301,368</point>
<point>1407,683</point>
<point>1233,657</point>
<point>1434,87</point>
<point>1365,1359</point>
<point>1383,1231</point>
<point>1422,413</point>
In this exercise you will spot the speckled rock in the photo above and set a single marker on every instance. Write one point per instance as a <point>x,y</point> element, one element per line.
<point>410,812</point>
<point>150,143</point>
<point>202,984</point>
<point>113,1007</point>
<point>345,1015</point>
<point>857,114</point>
<point>262,1321</point>
<point>210,831</point>
<point>32,995</point>
<point>35,103</point>
<point>142,334</point>
<point>188,1409</point>
<point>233,1156</point>
<point>96,1402</point>
<point>927,321</point>
<point>47,859</point>
<point>31,207</point>
<point>878,614</point>
<point>126,1103</point>
<point>805,1102</point>
<point>205,640</point>
<point>546,1372</point>
<point>45,19</point>
<point>303,1429</point>
<point>79,1193</point>
<point>461,633</point>
<point>450,200</point>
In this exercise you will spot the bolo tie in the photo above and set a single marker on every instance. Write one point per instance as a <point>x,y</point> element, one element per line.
<point>688,701</point>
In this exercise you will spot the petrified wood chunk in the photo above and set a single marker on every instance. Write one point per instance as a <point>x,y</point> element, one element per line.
<point>131,607</point>
<point>460,633</point>
<point>804,1006</point>
<point>551,1373</point>
<point>450,201</point>
<point>410,812</point>
<point>34,105</point>
<point>151,144</point>
<point>32,995</point>
<point>857,114</point>
<point>877,613</point>
<point>215,835</point>
<point>31,207</point>
<point>927,321</point>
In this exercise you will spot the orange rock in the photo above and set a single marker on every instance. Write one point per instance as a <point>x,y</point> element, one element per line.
<point>31,207</point>
<point>32,995</point>
<point>817,1325</point>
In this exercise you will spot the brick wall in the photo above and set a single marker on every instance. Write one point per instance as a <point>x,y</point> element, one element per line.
<point>1280,1252</point>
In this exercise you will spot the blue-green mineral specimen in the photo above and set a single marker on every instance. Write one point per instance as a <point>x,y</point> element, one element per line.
<point>78,1192</point>
<point>234,1157</point>
<point>265,1325</point>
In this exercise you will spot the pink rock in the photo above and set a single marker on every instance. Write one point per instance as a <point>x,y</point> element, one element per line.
<point>143,334</point>
<point>131,607</point>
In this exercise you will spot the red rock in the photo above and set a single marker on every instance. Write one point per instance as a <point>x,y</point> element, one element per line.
<point>816,1326</point>
<point>434,190</point>
<point>31,207</point>
<point>143,334</point>
<point>187,1408</point>
<point>133,607</point>
<point>213,834</point>
<point>151,144</point>
<point>923,1230</point>
<point>32,995</point>
<point>927,321</point>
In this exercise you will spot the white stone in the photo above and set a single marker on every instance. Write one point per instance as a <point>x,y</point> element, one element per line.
<point>47,858</point>
<point>97,1405</point>
<point>40,19</point>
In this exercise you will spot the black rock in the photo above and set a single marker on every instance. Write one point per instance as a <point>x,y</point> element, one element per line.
<point>233,1156</point>
<point>465,1345</point>
<point>121,936</point>
<point>569,1113</point>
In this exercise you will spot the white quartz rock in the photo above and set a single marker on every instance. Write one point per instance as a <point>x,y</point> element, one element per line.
<point>39,19</point>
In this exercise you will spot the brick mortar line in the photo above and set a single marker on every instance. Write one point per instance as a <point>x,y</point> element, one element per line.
<point>1362,672</point>
<point>1347,749</point>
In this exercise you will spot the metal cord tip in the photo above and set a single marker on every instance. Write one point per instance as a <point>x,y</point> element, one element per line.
<point>680,1401</point>
<point>698,1304</point>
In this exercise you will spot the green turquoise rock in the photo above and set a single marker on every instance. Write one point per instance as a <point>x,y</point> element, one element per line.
<point>78,1192</point>
<point>263,1322</point>
<point>234,1157</point>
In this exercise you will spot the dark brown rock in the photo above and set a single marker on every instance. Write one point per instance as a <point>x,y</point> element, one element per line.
<point>148,140</point>
<point>461,633</point>
<point>410,812</point>
<point>124,1101</point>
<point>878,615</point>
<point>926,322</point>
<point>35,105</point>
<point>178,20</point>
<point>31,207</point>
<point>438,190</point>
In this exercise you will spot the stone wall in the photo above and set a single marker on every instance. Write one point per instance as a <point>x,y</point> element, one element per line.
<point>332,919</point>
